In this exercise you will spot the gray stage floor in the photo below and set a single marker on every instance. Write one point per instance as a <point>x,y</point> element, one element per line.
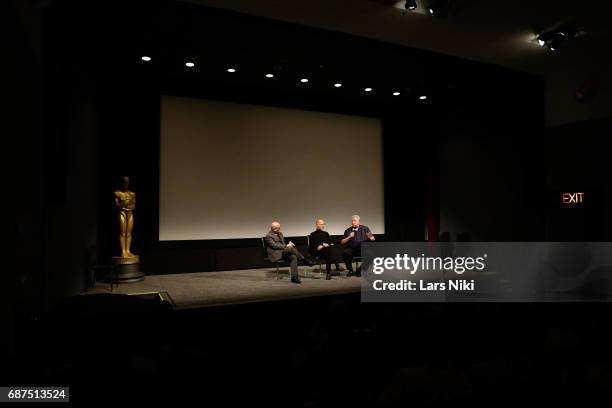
<point>189,290</point>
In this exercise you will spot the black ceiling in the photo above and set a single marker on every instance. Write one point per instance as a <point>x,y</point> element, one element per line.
<point>110,38</point>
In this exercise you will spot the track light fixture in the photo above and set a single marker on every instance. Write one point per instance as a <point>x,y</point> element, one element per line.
<point>555,38</point>
<point>411,5</point>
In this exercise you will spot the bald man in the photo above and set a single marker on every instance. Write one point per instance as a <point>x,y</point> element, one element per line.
<point>321,247</point>
<point>277,250</point>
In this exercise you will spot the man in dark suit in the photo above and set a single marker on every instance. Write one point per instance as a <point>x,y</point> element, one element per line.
<point>353,237</point>
<point>277,250</point>
<point>321,247</point>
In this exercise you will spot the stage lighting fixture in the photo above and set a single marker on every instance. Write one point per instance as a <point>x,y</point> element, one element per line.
<point>553,39</point>
<point>231,70</point>
<point>544,38</point>
<point>189,64</point>
<point>556,41</point>
<point>368,89</point>
<point>439,8</point>
<point>396,93</point>
<point>269,75</point>
<point>304,80</point>
<point>337,85</point>
<point>423,97</point>
<point>411,5</point>
<point>145,58</point>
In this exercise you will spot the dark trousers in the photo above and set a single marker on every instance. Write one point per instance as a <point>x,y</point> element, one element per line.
<point>292,255</point>
<point>329,255</point>
<point>348,255</point>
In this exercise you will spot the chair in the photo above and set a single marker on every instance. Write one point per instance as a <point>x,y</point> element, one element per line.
<point>464,237</point>
<point>277,264</point>
<point>357,261</point>
<point>444,236</point>
<point>93,268</point>
<point>113,277</point>
<point>96,269</point>
<point>356,264</point>
<point>315,258</point>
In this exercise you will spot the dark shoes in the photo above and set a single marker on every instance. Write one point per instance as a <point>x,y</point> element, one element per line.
<point>358,273</point>
<point>339,268</point>
<point>351,273</point>
<point>295,279</point>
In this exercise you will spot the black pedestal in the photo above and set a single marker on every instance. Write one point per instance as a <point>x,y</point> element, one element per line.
<point>126,270</point>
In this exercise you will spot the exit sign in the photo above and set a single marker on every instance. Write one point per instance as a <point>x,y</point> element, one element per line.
<point>572,197</point>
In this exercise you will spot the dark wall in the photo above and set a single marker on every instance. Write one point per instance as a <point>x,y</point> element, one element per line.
<point>577,159</point>
<point>22,168</point>
<point>49,155</point>
<point>70,159</point>
<point>502,176</point>
<point>491,169</point>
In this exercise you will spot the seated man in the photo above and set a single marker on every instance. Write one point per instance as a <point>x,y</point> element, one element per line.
<point>277,250</point>
<point>353,237</point>
<point>321,247</point>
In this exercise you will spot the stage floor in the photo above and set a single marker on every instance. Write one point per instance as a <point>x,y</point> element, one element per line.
<point>190,290</point>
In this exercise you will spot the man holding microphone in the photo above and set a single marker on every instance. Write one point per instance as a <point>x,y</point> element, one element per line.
<point>353,237</point>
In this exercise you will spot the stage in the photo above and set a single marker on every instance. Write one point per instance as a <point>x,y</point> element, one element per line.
<point>204,289</point>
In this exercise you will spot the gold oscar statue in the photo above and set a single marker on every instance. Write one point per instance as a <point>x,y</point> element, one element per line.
<point>126,267</point>
<point>125,202</point>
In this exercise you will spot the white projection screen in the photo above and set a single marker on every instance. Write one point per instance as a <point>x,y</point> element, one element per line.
<point>227,170</point>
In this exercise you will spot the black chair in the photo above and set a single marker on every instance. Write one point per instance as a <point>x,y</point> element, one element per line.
<point>96,269</point>
<point>464,237</point>
<point>357,261</point>
<point>113,277</point>
<point>93,268</point>
<point>444,236</point>
<point>315,259</point>
<point>277,264</point>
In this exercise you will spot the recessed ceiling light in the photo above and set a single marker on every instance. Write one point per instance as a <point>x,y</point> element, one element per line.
<point>269,75</point>
<point>231,70</point>
<point>337,85</point>
<point>145,58</point>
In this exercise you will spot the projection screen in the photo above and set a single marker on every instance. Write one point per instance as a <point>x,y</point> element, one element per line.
<point>227,170</point>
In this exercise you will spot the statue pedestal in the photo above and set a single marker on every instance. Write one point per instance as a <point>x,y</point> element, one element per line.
<point>127,270</point>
